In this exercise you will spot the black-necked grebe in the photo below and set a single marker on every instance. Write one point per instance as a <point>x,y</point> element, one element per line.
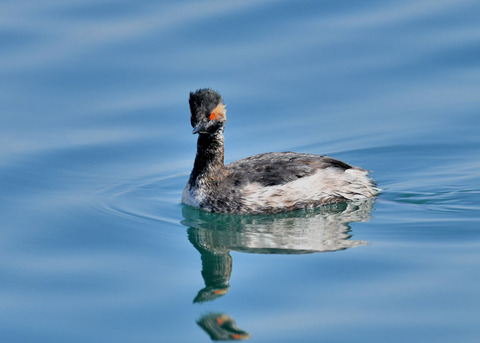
<point>265,183</point>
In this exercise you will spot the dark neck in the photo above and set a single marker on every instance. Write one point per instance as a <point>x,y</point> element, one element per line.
<point>210,154</point>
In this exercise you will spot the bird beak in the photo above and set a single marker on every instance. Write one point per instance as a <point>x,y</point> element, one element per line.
<point>197,128</point>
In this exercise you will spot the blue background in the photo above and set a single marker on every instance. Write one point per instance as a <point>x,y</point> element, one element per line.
<point>96,147</point>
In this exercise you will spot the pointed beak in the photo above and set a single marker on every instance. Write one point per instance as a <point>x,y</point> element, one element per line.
<point>197,129</point>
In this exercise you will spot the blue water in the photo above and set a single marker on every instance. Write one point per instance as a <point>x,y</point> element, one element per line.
<point>96,147</point>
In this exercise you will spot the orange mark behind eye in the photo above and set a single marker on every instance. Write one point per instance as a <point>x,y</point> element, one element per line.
<point>236,336</point>
<point>218,113</point>
<point>220,320</point>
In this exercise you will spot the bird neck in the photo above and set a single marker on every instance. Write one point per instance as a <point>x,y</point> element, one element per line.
<point>210,156</point>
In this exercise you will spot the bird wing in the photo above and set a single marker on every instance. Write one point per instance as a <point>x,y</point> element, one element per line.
<point>278,168</point>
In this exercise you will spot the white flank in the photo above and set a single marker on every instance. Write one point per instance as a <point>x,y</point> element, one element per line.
<point>322,187</point>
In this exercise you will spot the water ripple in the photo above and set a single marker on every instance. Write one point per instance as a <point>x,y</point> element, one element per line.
<point>145,198</point>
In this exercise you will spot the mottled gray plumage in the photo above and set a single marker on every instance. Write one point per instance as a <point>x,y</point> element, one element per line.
<point>278,168</point>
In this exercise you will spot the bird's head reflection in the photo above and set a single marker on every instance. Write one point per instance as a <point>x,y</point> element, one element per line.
<point>299,232</point>
<point>222,327</point>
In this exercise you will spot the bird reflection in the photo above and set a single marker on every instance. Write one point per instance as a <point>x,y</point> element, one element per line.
<point>222,327</point>
<point>300,232</point>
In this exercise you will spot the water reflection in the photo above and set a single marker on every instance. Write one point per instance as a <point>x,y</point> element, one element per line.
<point>221,327</point>
<point>300,232</point>
<point>215,235</point>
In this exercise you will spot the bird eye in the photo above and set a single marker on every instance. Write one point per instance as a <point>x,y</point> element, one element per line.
<point>212,115</point>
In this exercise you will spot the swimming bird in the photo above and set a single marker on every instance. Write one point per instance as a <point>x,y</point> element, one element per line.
<point>266,183</point>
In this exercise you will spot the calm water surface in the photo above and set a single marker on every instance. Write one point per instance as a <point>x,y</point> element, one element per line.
<point>95,149</point>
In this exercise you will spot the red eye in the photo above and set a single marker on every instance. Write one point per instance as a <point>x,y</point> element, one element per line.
<point>212,116</point>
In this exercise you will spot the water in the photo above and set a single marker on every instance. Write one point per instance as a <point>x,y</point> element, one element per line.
<point>95,149</point>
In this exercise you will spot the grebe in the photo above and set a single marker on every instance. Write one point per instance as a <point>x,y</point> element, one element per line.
<point>266,183</point>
